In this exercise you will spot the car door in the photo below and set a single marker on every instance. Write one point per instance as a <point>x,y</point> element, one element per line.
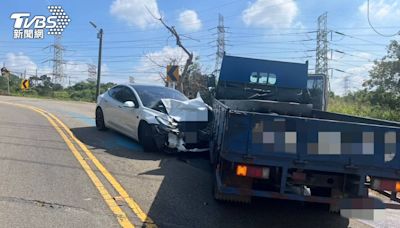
<point>128,118</point>
<point>109,106</point>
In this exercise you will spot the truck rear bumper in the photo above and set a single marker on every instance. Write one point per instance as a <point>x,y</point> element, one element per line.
<point>343,203</point>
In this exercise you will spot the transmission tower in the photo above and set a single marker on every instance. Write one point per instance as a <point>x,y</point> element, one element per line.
<point>346,85</point>
<point>92,70</point>
<point>58,70</point>
<point>321,63</point>
<point>220,44</point>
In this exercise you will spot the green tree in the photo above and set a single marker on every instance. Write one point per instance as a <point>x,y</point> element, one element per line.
<point>384,79</point>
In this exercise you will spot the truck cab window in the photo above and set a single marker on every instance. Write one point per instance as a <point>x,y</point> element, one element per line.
<point>254,77</point>
<point>271,79</point>
<point>263,78</point>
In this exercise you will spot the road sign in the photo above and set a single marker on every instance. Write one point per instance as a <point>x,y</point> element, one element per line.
<point>25,84</point>
<point>172,73</point>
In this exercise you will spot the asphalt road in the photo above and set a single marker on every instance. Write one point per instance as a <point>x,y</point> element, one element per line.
<point>43,184</point>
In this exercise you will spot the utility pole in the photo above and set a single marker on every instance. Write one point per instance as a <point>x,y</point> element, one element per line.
<point>220,44</point>
<point>321,62</point>
<point>6,73</point>
<point>100,37</point>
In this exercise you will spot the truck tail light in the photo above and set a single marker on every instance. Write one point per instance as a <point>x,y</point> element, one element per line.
<point>385,185</point>
<point>252,171</point>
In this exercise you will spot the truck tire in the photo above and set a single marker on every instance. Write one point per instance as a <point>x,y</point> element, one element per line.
<point>146,138</point>
<point>100,125</point>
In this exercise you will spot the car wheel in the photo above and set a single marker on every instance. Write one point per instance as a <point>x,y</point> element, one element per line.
<point>146,138</point>
<point>100,125</point>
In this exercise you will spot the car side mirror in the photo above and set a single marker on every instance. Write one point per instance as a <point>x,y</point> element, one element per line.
<point>129,104</point>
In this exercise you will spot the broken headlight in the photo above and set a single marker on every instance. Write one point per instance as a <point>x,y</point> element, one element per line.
<point>167,122</point>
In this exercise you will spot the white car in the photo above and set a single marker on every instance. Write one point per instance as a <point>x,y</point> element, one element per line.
<point>160,118</point>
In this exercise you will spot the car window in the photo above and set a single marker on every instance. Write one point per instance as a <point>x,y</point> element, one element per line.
<point>125,94</point>
<point>113,91</point>
<point>151,95</point>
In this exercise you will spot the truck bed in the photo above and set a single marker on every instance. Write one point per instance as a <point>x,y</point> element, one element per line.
<point>297,136</point>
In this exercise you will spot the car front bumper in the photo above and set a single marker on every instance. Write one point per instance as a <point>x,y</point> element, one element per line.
<point>174,140</point>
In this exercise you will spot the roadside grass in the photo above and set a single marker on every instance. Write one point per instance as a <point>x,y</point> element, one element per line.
<point>340,105</point>
<point>57,95</point>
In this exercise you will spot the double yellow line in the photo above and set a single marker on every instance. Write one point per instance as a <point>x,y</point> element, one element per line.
<point>69,138</point>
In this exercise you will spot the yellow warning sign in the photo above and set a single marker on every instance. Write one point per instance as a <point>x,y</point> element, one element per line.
<point>25,84</point>
<point>172,73</point>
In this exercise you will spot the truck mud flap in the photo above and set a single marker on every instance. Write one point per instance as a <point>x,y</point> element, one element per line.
<point>228,197</point>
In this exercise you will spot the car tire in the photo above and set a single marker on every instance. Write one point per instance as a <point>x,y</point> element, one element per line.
<point>100,125</point>
<point>146,138</point>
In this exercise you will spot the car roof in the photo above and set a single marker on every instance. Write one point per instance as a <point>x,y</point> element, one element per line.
<point>148,86</point>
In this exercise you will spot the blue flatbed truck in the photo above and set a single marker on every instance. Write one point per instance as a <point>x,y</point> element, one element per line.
<point>272,138</point>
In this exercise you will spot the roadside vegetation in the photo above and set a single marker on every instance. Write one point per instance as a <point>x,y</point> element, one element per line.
<point>42,87</point>
<point>380,95</point>
<point>351,106</point>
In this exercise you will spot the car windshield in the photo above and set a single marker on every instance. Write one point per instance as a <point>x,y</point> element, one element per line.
<point>151,95</point>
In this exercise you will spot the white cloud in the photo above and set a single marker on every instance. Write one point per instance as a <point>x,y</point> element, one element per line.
<point>381,10</point>
<point>135,12</point>
<point>190,21</point>
<point>270,13</point>
<point>153,64</point>
<point>17,63</point>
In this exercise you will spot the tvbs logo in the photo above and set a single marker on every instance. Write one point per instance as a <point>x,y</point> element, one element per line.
<point>27,27</point>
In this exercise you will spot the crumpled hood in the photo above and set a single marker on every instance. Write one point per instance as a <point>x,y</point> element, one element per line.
<point>190,110</point>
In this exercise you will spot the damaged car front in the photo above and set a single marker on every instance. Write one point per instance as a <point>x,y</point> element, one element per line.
<point>178,124</point>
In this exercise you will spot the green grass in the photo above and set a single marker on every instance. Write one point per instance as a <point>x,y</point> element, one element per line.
<point>59,95</point>
<point>340,105</point>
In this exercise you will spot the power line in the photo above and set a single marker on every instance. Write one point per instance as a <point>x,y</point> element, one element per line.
<point>376,31</point>
<point>357,38</point>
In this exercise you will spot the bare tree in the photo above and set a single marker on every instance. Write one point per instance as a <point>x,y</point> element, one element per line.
<point>167,60</point>
<point>189,61</point>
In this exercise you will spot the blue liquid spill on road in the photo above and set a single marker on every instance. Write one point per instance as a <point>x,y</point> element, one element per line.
<point>115,140</point>
<point>85,119</point>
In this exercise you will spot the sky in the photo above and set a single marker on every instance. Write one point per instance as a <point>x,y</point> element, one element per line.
<point>136,45</point>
